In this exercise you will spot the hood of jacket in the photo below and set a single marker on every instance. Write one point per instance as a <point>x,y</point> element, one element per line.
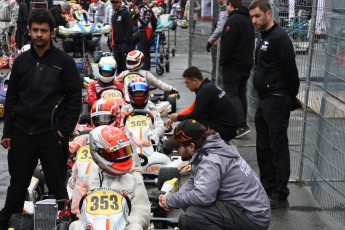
<point>242,10</point>
<point>215,145</point>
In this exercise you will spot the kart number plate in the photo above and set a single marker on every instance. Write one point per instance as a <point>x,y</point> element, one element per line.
<point>84,154</point>
<point>138,121</point>
<point>112,93</point>
<point>1,111</point>
<point>130,77</point>
<point>104,203</point>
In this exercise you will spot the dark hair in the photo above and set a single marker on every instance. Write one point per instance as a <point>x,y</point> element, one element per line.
<point>235,3</point>
<point>199,142</point>
<point>42,16</point>
<point>263,5</point>
<point>193,72</point>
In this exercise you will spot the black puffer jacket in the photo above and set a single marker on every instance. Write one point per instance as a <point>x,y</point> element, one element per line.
<point>122,27</point>
<point>23,13</point>
<point>36,86</point>
<point>56,12</point>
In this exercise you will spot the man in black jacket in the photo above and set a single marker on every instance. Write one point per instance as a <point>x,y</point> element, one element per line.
<point>276,81</point>
<point>121,33</point>
<point>236,58</point>
<point>42,107</point>
<point>58,9</point>
<point>212,107</point>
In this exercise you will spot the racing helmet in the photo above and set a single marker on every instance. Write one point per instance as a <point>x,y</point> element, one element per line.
<point>139,92</point>
<point>107,64</point>
<point>134,60</point>
<point>106,111</point>
<point>82,17</point>
<point>111,150</point>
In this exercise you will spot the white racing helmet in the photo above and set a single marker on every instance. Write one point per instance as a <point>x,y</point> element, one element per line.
<point>134,60</point>
<point>111,150</point>
<point>107,64</point>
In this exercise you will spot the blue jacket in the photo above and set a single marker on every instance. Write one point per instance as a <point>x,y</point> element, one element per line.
<point>219,173</point>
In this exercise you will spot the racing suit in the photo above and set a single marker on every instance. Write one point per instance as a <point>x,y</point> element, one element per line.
<point>132,186</point>
<point>158,129</point>
<point>149,77</point>
<point>95,87</point>
<point>8,18</point>
<point>84,164</point>
<point>222,190</point>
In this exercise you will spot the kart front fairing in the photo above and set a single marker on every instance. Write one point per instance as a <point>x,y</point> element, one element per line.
<point>81,28</point>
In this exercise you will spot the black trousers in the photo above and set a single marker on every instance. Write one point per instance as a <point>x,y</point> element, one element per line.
<point>141,37</point>
<point>235,85</point>
<point>120,52</point>
<point>272,144</point>
<point>218,216</point>
<point>22,160</point>
<point>22,37</point>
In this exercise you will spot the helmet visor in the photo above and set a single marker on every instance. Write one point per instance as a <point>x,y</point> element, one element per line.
<point>107,68</point>
<point>102,119</point>
<point>130,62</point>
<point>139,87</point>
<point>112,155</point>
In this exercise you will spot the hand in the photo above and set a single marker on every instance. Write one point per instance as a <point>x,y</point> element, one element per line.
<point>163,202</point>
<point>173,117</point>
<point>6,143</point>
<point>208,46</point>
<point>168,124</point>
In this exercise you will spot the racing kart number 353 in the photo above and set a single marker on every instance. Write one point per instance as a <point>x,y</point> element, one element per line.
<point>104,203</point>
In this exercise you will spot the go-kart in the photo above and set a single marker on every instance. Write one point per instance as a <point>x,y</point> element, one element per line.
<point>139,127</point>
<point>3,90</point>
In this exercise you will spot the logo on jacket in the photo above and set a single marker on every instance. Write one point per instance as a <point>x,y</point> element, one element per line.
<point>264,46</point>
<point>227,29</point>
<point>119,18</point>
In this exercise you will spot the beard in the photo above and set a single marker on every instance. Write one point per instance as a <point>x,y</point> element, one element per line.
<point>186,157</point>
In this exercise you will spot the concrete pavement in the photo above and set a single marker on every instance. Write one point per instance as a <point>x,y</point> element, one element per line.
<point>303,212</point>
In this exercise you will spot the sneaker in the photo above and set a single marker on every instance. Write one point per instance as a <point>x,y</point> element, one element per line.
<point>241,132</point>
<point>279,203</point>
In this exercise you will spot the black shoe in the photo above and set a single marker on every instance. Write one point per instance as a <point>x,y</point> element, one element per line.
<point>241,132</point>
<point>279,203</point>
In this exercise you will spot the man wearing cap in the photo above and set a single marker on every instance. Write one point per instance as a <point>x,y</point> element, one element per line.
<point>212,106</point>
<point>222,192</point>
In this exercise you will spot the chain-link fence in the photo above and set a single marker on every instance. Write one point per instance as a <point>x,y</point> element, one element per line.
<point>316,132</point>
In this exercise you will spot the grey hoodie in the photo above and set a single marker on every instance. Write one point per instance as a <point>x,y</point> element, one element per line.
<point>221,174</point>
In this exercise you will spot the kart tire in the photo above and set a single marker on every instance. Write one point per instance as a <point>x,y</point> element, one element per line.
<point>20,221</point>
<point>167,66</point>
<point>165,174</point>
<point>159,70</point>
<point>172,100</point>
<point>161,58</point>
<point>63,225</point>
<point>143,159</point>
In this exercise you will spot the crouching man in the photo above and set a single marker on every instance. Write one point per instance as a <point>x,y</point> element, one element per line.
<point>222,192</point>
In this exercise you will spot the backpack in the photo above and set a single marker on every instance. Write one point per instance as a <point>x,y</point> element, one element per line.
<point>153,21</point>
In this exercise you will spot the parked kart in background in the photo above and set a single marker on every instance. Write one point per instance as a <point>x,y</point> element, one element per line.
<point>3,90</point>
<point>165,103</point>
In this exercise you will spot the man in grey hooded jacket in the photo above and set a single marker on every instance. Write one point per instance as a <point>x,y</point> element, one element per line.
<point>222,192</point>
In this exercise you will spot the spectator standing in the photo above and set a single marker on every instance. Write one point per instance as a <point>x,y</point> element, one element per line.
<point>8,19</point>
<point>42,107</point>
<point>276,81</point>
<point>121,33</point>
<point>22,36</point>
<point>236,59</point>
<point>217,33</point>
<point>96,14</point>
<point>146,29</point>
<point>222,192</point>
<point>195,14</point>
<point>212,107</point>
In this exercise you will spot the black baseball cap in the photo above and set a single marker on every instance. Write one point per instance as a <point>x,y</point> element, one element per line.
<point>185,133</point>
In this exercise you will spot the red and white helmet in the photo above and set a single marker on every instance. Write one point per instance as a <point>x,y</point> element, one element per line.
<point>139,92</point>
<point>134,60</point>
<point>107,64</point>
<point>111,150</point>
<point>106,111</point>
